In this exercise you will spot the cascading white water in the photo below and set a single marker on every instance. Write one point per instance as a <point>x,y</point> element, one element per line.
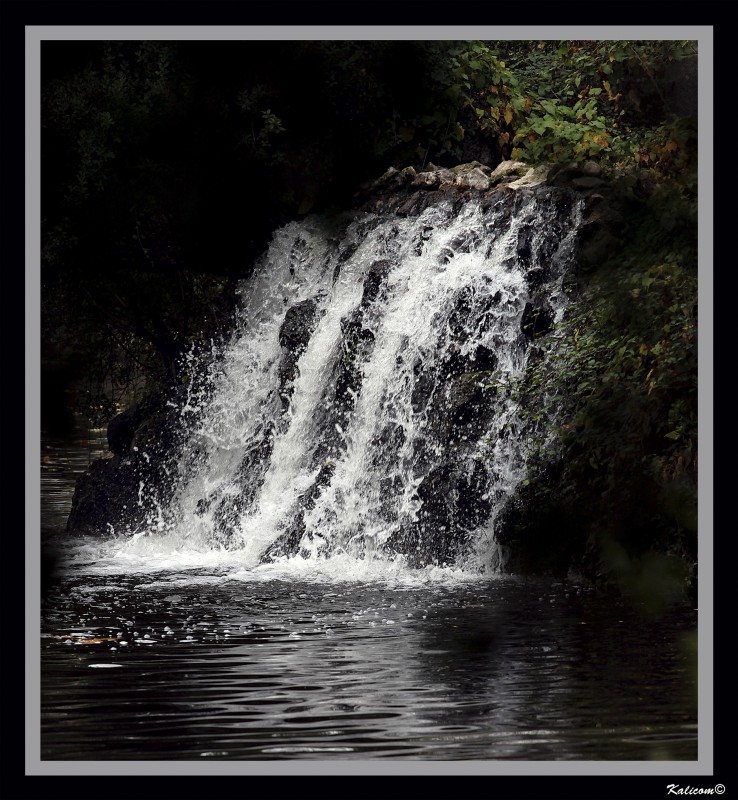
<point>351,412</point>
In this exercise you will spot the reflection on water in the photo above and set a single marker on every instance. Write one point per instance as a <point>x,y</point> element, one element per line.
<point>507,670</point>
<point>215,663</point>
<point>62,460</point>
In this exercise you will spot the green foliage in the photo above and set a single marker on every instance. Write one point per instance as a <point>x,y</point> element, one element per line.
<point>620,374</point>
<point>590,101</point>
<point>467,90</point>
<point>556,132</point>
<point>473,77</point>
<point>626,372</point>
<point>544,102</point>
<point>261,123</point>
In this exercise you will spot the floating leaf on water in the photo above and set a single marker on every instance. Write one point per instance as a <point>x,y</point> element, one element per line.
<point>77,638</point>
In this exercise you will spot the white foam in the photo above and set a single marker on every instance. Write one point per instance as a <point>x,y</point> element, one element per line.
<point>446,268</point>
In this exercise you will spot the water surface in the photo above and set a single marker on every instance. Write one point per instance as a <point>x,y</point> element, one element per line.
<point>235,663</point>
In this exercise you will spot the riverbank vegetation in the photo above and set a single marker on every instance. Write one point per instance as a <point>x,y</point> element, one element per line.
<point>615,492</point>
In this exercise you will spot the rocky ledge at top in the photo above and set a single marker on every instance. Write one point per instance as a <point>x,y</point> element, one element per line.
<point>408,191</point>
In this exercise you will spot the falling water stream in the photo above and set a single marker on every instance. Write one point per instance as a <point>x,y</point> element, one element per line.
<point>322,578</point>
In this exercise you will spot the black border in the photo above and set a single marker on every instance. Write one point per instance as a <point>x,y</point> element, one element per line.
<point>14,16</point>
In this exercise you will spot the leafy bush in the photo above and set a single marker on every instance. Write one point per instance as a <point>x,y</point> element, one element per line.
<point>549,101</point>
<point>619,375</point>
<point>556,132</point>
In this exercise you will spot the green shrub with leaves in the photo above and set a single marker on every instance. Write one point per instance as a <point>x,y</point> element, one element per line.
<point>467,89</point>
<point>556,132</point>
<point>473,77</point>
<point>602,100</point>
<point>545,102</point>
<point>618,376</point>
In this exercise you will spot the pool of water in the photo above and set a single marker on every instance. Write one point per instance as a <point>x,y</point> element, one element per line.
<point>182,666</point>
<point>145,658</point>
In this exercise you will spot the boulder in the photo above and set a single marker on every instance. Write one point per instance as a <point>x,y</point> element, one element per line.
<point>507,168</point>
<point>111,496</point>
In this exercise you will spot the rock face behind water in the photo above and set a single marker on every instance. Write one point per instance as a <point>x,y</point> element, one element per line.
<point>450,392</point>
<point>449,386</point>
<point>293,336</point>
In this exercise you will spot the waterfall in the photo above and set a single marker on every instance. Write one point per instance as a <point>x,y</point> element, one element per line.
<point>353,410</point>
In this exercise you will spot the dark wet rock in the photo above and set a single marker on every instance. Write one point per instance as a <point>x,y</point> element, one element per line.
<point>294,335</point>
<point>538,317</point>
<point>298,325</point>
<point>355,344</point>
<point>376,275</point>
<point>473,505</point>
<point>536,277</point>
<point>457,408</point>
<point>288,543</point>
<point>591,169</point>
<point>228,507</point>
<point>146,443</point>
<point>453,502</point>
<point>388,443</point>
<point>525,244</point>
<point>469,308</point>
<point>343,386</point>
<point>413,205</point>
<point>463,401</point>
<point>120,431</point>
<point>587,182</point>
<point>484,359</point>
<point>563,174</point>
<point>425,382</point>
<point>101,497</point>
<point>122,428</point>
